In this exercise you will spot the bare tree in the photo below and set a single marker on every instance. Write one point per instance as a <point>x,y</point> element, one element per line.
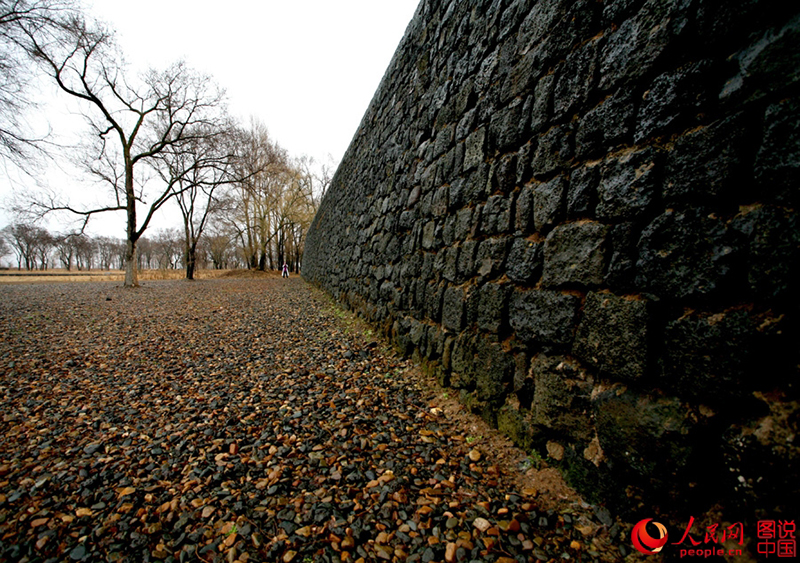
<point>66,249</point>
<point>5,248</point>
<point>265,169</point>
<point>220,250</point>
<point>85,248</point>
<point>18,20</point>
<point>145,251</point>
<point>320,174</point>
<point>270,206</point>
<point>106,251</point>
<point>130,122</point>
<point>196,171</point>
<point>27,242</point>
<point>306,191</point>
<point>167,248</point>
<point>44,245</point>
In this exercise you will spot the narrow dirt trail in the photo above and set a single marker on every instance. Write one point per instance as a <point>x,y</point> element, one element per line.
<point>243,420</point>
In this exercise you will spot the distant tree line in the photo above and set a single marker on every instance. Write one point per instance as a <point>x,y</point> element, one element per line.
<point>35,248</point>
<point>30,247</point>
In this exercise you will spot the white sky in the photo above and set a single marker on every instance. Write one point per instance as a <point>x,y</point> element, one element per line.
<point>306,68</point>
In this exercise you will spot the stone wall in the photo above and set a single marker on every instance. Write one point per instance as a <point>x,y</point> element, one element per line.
<point>581,214</point>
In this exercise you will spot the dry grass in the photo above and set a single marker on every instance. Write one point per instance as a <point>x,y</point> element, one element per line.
<point>62,276</point>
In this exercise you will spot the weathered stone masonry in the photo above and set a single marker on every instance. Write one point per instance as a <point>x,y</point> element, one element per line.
<point>582,215</point>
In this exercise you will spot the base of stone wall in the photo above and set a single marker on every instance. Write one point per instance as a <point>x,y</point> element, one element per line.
<point>583,463</point>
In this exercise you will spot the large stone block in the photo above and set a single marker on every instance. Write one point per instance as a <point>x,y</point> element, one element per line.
<point>683,254</point>
<point>777,166</point>
<point>576,79</point>
<point>561,398</point>
<point>496,215</point>
<point>715,357</point>
<point>707,164</point>
<point>462,359</point>
<point>573,28</point>
<point>427,260</point>
<point>613,335</point>
<point>390,295</point>
<point>466,259</point>
<point>523,210</point>
<point>433,301</point>
<point>439,202</point>
<point>648,435</point>
<point>466,124</point>
<point>503,174</point>
<point>520,79</point>
<point>674,100</point>
<point>516,424</point>
<point>449,230</point>
<point>632,49</point>
<point>582,191</point>
<point>540,20</point>
<point>443,141</point>
<point>475,184</point>
<point>471,302</point>
<point>399,336</point>
<point>542,103</point>
<point>450,269</point>
<point>771,63</point>
<point>473,156</point>
<point>575,253</point>
<point>463,223</point>
<point>524,155</point>
<point>453,309</point>
<point>492,313</point>
<point>508,126</point>
<point>417,332</point>
<point>554,151</point>
<point>548,203</point>
<point>544,316</point>
<point>429,240</point>
<point>491,256</point>
<point>608,124</point>
<point>494,371</point>
<point>628,185</point>
<point>524,263</point>
<point>621,272</point>
<point>772,236</point>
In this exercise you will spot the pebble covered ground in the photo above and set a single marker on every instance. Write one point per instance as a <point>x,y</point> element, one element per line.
<point>244,420</point>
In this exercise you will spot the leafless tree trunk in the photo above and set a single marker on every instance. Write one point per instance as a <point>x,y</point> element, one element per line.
<point>4,246</point>
<point>130,123</point>
<point>195,173</point>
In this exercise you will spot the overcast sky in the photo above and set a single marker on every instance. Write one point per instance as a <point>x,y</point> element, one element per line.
<point>306,68</point>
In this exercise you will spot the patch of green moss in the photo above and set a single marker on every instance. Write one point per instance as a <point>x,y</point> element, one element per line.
<point>512,423</point>
<point>594,484</point>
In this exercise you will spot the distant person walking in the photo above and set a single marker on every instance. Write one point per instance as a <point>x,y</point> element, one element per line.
<point>285,273</point>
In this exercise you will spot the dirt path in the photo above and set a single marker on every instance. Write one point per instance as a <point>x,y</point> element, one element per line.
<point>246,420</point>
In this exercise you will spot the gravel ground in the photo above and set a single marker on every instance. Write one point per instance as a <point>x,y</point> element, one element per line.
<point>245,420</point>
